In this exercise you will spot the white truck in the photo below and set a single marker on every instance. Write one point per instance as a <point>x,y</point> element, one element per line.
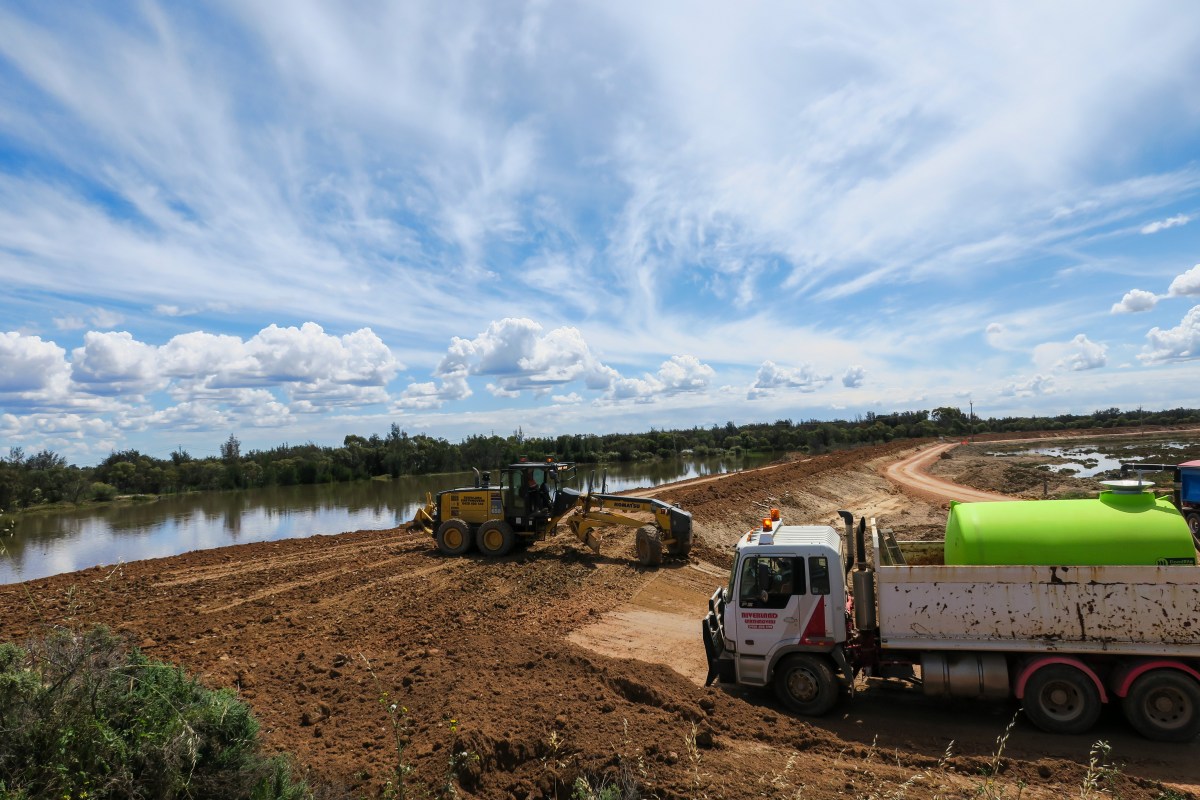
<point>801,613</point>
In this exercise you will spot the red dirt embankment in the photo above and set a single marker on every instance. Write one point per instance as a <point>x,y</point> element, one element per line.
<point>506,660</point>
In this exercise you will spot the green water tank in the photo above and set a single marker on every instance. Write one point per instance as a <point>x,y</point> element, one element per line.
<point>1125,525</point>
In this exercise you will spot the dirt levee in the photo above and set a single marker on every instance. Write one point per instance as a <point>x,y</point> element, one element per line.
<point>553,664</point>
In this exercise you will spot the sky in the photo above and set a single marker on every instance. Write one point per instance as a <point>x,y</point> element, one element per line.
<point>293,222</point>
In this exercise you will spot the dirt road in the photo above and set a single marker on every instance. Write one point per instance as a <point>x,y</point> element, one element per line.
<point>912,473</point>
<point>555,664</point>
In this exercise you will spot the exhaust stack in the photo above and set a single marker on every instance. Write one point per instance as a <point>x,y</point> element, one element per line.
<point>864,584</point>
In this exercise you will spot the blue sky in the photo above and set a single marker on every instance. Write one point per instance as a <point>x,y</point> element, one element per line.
<point>291,222</point>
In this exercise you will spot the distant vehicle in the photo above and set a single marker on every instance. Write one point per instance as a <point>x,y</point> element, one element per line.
<point>530,500</point>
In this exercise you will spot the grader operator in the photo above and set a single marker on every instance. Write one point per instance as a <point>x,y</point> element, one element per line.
<point>527,504</point>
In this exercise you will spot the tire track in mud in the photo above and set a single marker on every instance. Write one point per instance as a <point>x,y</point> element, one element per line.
<point>231,567</point>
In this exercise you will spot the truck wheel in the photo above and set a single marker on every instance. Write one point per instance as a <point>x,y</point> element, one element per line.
<point>649,546</point>
<point>1193,521</point>
<point>1164,705</point>
<point>453,537</point>
<point>495,538</point>
<point>1061,699</point>
<point>806,685</point>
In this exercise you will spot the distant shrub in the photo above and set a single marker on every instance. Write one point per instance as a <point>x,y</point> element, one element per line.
<point>82,716</point>
<point>103,491</point>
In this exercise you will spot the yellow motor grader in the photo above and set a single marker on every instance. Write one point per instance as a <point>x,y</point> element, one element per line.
<point>529,501</point>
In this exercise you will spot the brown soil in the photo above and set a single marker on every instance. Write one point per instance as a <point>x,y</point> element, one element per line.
<point>555,664</point>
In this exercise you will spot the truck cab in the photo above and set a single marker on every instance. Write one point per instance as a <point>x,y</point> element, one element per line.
<point>785,598</point>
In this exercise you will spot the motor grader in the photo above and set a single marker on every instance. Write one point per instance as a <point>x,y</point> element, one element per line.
<point>529,501</point>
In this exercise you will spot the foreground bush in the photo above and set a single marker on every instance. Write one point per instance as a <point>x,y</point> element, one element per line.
<point>81,716</point>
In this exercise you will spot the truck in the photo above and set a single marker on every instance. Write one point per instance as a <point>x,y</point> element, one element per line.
<point>805,612</point>
<point>529,501</point>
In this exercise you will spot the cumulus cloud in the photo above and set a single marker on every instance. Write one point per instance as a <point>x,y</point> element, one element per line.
<point>1079,354</point>
<point>115,363</point>
<point>1181,343</point>
<point>521,356</point>
<point>1187,284</point>
<point>28,364</point>
<point>854,377</point>
<point>1037,385</point>
<point>1169,222</point>
<point>1134,301</point>
<point>677,375</point>
<point>772,376</point>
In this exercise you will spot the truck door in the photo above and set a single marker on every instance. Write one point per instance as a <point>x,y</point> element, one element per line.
<point>775,606</point>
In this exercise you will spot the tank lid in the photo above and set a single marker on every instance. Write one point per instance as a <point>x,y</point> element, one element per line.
<point>1127,486</point>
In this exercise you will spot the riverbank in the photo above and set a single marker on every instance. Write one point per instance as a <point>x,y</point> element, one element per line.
<point>557,664</point>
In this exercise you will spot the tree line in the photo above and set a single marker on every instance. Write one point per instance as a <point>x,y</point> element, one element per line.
<point>45,477</point>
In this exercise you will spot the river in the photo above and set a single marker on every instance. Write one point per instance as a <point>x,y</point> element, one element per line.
<point>40,544</point>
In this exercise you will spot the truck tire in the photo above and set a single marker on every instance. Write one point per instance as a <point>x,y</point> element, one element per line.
<point>649,546</point>
<point>1164,705</point>
<point>495,538</point>
<point>1193,521</point>
<point>806,685</point>
<point>1062,699</point>
<point>453,537</point>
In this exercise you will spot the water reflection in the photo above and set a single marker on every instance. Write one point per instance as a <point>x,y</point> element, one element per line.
<point>48,544</point>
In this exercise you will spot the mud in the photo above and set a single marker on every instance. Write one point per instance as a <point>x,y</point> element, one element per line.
<point>517,677</point>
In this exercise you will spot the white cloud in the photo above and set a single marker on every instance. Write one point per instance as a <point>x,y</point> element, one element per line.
<point>854,377</point>
<point>1083,354</point>
<point>1031,387</point>
<point>1181,343</point>
<point>567,399</point>
<point>771,377</point>
<point>677,375</point>
<point>684,374</point>
<point>95,317</point>
<point>1077,355</point>
<point>523,358</point>
<point>1135,300</point>
<point>115,364</point>
<point>1169,222</point>
<point>1187,284</point>
<point>28,364</point>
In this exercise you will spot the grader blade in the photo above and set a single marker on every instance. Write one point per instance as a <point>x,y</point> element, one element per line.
<point>422,521</point>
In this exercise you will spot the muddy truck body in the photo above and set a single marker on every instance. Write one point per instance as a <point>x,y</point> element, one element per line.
<point>806,612</point>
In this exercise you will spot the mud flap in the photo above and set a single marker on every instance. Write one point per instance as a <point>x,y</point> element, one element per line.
<point>839,658</point>
<point>719,669</point>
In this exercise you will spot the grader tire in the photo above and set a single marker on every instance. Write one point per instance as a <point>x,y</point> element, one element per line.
<point>495,538</point>
<point>454,538</point>
<point>682,546</point>
<point>649,546</point>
